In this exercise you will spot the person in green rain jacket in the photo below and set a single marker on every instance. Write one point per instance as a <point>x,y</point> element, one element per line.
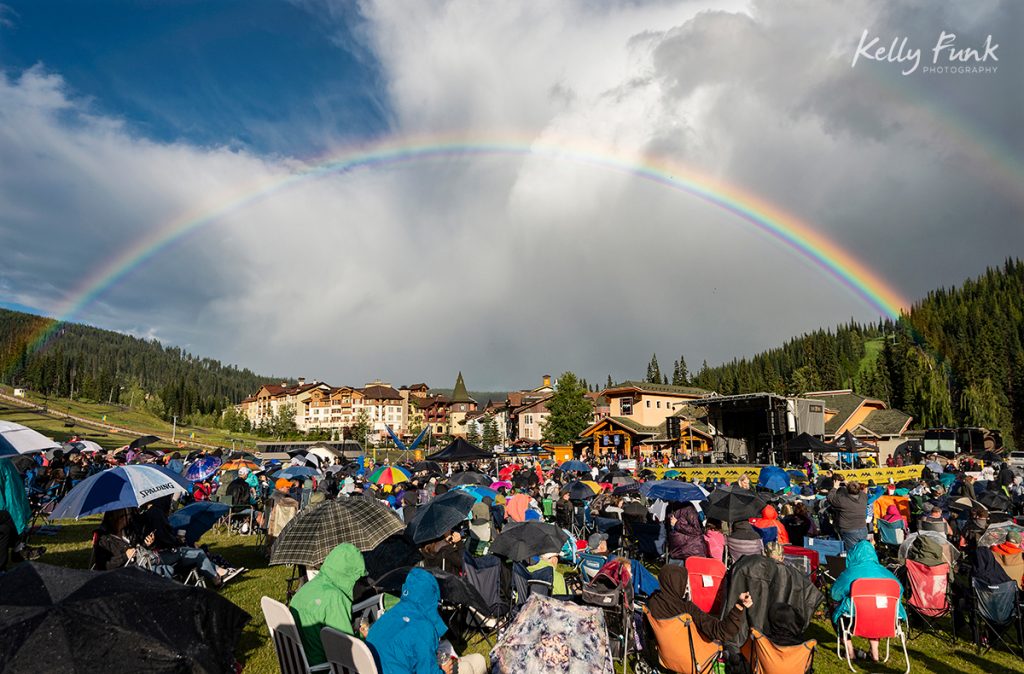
<point>15,512</point>
<point>326,601</point>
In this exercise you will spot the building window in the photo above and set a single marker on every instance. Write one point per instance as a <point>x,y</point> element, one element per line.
<point>648,403</point>
<point>659,404</point>
<point>626,406</point>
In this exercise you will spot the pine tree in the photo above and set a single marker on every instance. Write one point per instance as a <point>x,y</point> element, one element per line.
<point>609,383</point>
<point>472,435</point>
<point>653,371</point>
<point>680,377</point>
<point>570,411</point>
<point>491,436</point>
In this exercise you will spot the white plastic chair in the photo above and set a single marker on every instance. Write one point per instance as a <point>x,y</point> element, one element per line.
<point>345,654</point>
<point>290,655</point>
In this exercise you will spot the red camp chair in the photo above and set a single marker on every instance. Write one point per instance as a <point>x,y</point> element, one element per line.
<point>704,578</point>
<point>875,605</point>
<point>929,594</point>
<point>812,556</point>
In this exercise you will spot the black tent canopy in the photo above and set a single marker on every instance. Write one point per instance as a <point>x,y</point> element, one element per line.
<point>805,442</point>
<point>460,450</point>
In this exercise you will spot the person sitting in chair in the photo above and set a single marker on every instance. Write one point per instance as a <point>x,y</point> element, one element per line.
<point>670,601</point>
<point>547,559</point>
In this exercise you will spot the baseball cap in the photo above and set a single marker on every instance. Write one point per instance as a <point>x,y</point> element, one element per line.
<point>595,540</point>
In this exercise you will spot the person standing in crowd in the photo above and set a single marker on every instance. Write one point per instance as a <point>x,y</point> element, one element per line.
<point>850,504</point>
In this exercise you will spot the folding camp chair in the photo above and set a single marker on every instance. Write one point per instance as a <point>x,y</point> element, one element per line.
<point>996,609</point>
<point>681,649</point>
<point>930,595</point>
<point>738,548</point>
<point>610,526</point>
<point>589,565</point>
<point>580,521</point>
<point>345,654</point>
<point>890,537</point>
<point>290,655</point>
<point>525,583</point>
<point>765,657</point>
<point>704,581</point>
<point>643,540</point>
<point>484,575</point>
<point>810,563</point>
<point>825,547</point>
<point>875,615</point>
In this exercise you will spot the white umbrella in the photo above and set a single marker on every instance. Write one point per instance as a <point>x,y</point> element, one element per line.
<point>18,439</point>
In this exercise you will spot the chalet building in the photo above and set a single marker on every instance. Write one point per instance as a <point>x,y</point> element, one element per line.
<point>866,418</point>
<point>647,404</point>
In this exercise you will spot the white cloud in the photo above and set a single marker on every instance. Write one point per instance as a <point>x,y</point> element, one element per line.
<point>505,267</point>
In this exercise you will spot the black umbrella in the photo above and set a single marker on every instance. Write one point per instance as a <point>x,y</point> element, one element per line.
<point>578,491</point>
<point>733,504</point>
<point>805,442</point>
<point>454,590</point>
<point>848,442</point>
<point>524,540</point>
<point>392,553</point>
<point>440,516</point>
<point>994,500</point>
<point>469,477</point>
<point>797,476</point>
<point>432,467</point>
<point>318,529</point>
<point>524,479</point>
<point>142,441</point>
<point>627,488</point>
<point>57,619</point>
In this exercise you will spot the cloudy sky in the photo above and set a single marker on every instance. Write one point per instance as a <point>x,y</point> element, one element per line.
<point>118,118</point>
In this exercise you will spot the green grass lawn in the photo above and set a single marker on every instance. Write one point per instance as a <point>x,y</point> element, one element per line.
<point>118,415</point>
<point>71,548</point>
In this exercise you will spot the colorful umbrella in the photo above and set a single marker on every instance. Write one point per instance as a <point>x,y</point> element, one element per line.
<point>672,490</point>
<point>121,487</point>
<point>578,491</point>
<point>235,464</point>
<point>478,491</point>
<point>671,473</point>
<point>202,468</point>
<point>389,475</point>
<point>501,483</point>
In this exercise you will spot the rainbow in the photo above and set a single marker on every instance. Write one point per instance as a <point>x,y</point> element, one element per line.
<point>763,216</point>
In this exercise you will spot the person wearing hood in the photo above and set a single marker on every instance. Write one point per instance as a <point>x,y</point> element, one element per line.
<point>670,601</point>
<point>893,515</point>
<point>326,600</point>
<point>15,511</point>
<point>685,534</point>
<point>769,519</point>
<point>861,562</point>
<point>407,636</point>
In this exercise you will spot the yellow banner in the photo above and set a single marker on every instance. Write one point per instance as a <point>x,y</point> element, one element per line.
<point>731,473</point>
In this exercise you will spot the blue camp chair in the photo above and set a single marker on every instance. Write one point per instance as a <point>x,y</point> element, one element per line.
<point>996,611</point>
<point>826,547</point>
<point>590,564</point>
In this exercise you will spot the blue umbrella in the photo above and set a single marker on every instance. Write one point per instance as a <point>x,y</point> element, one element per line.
<point>574,466</point>
<point>198,518</point>
<point>773,478</point>
<point>672,490</point>
<point>122,487</point>
<point>478,491</point>
<point>293,472</point>
<point>203,468</point>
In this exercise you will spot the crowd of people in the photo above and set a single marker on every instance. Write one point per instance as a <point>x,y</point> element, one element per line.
<point>957,513</point>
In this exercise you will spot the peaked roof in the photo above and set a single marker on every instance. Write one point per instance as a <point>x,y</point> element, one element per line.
<point>646,387</point>
<point>460,394</point>
<point>888,422</point>
<point>379,392</point>
<point>460,450</point>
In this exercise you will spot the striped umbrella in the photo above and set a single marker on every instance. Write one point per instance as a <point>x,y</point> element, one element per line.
<point>389,475</point>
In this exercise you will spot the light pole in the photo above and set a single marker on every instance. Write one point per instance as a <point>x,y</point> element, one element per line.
<point>174,429</point>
